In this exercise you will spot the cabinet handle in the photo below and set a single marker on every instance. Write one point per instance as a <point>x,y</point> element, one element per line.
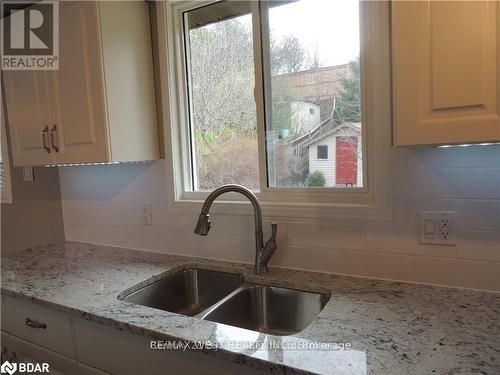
<point>45,132</point>
<point>35,324</point>
<point>53,138</point>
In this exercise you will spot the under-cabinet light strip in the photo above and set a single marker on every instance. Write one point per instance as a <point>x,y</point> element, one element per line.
<point>101,163</point>
<point>469,144</point>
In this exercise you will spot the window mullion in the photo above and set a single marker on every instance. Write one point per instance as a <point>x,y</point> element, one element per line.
<point>261,69</point>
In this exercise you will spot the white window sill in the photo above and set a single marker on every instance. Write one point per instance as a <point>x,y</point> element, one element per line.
<point>362,212</point>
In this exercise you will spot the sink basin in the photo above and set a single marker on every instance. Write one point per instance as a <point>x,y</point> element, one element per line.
<point>267,309</point>
<point>224,297</point>
<point>187,292</point>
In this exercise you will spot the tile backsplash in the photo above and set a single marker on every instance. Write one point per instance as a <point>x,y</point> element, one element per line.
<point>103,204</point>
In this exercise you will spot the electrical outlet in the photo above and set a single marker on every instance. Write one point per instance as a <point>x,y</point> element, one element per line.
<point>147,216</point>
<point>28,174</point>
<point>438,228</point>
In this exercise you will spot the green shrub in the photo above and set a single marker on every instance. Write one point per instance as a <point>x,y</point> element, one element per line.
<point>316,179</point>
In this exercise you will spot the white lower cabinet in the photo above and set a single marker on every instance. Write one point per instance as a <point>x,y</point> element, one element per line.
<point>42,326</point>
<point>36,334</point>
<point>123,353</point>
<point>22,351</point>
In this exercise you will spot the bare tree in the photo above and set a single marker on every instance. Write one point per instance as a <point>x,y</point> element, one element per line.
<point>287,55</point>
<point>222,98</point>
<point>222,79</point>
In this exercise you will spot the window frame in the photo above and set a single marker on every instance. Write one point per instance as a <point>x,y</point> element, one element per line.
<point>371,202</point>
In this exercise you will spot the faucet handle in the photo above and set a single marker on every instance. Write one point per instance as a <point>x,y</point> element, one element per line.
<point>274,229</point>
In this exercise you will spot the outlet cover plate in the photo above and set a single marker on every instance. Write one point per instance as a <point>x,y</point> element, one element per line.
<point>28,174</point>
<point>438,228</point>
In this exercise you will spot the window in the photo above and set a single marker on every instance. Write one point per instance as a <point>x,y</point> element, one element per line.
<point>256,98</point>
<point>5,183</point>
<point>322,152</point>
<point>310,64</point>
<point>221,79</point>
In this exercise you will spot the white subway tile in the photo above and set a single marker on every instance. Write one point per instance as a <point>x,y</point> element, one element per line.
<point>115,201</point>
<point>479,245</point>
<point>329,235</point>
<point>114,183</point>
<point>215,248</point>
<point>400,212</point>
<point>403,240</point>
<point>362,263</point>
<point>415,206</point>
<point>121,238</point>
<point>478,214</point>
<point>430,183</point>
<point>306,258</point>
<point>399,159</point>
<point>483,183</point>
<point>459,273</point>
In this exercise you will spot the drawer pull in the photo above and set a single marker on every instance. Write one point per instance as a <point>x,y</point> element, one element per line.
<point>35,324</point>
<point>44,139</point>
<point>53,136</point>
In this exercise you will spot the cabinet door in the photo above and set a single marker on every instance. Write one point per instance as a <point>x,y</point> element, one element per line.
<point>23,351</point>
<point>77,88</point>
<point>445,71</point>
<point>27,115</point>
<point>119,352</point>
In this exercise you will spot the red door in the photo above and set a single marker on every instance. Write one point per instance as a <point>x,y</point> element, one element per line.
<point>347,161</point>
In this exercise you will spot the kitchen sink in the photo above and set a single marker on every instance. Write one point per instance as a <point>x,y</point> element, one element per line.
<point>226,298</point>
<point>268,309</point>
<point>187,292</point>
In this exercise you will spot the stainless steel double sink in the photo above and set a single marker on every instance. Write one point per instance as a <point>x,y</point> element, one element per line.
<point>226,298</point>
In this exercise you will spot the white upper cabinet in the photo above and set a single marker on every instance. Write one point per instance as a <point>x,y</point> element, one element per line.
<point>446,82</point>
<point>80,115</point>
<point>100,105</point>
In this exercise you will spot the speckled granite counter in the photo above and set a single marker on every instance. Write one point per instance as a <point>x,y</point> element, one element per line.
<point>393,328</point>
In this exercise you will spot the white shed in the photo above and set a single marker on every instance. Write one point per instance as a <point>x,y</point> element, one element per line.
<point>338,155</point>
<point>305,117</point>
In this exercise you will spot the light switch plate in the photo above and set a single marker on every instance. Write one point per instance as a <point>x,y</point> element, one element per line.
<point>438,228</point>
<point>28,174</point>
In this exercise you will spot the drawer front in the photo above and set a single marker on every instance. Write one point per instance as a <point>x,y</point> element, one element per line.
<point>29,353</point>
<point>39,325</point>
<point>122,353</point>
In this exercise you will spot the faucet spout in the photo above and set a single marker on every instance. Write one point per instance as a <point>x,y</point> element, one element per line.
<point>263,253</point>
<point>203,225</point>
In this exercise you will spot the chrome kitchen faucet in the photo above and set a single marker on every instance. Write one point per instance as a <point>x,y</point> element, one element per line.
<point>263,253</point>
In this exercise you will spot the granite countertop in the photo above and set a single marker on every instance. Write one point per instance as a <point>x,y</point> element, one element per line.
<point>392,328</point>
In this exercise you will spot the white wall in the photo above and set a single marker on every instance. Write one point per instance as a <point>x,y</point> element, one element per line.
<point>302,119</point>
<point>102,205</point>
